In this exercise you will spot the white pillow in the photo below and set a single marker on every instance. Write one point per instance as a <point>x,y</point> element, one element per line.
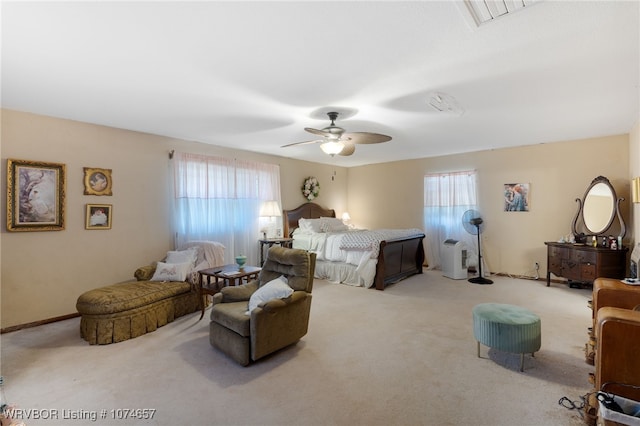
<point>183,256</point>
<point>171,271</point>
<point>300,231</point>
<point>310,225</point>
<point>274,289</point>
<point>333,224</point>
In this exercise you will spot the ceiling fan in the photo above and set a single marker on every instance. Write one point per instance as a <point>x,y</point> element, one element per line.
<point>336,141</point>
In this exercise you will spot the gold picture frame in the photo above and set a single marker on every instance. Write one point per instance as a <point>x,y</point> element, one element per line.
<point>97,181</point>
<point>98,216</point>
<point>35,195</point>
<point>635,190</point>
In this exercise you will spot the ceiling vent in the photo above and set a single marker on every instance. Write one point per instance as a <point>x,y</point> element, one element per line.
<point>444,103</point>
<point>481,12</point>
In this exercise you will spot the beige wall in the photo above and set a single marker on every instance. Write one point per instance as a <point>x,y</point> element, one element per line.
<point>558,173</point>
<point>43,273</point>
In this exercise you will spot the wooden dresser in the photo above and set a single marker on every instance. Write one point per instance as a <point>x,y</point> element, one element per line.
<point>583,264</point>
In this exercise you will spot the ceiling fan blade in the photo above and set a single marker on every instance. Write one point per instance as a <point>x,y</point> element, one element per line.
<point>316,131</point>
<point>349,148</point>
<point>331,132</point>
<point>302,143</point>
<point>367,138</point>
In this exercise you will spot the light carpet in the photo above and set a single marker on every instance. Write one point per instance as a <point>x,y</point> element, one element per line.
<point>404,356</point>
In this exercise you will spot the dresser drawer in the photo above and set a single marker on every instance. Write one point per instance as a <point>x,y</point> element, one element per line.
<point>588,271</point>
<point>584,256</point>
<point>571,270</point>
<point>558,252</point>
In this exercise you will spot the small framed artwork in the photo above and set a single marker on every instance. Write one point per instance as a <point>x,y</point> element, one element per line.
<point>516,197</point>
<point>97,181</point>
<point>35,196</point>
<point>98,216</point>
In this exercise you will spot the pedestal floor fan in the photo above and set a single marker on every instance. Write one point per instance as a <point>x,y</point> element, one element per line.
<point>472,222</point>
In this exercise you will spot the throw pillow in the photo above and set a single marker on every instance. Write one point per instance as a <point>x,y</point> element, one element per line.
<point>171,271</point>
<point>183,256</point>
<point>333,224</point>
<point>274,289</point>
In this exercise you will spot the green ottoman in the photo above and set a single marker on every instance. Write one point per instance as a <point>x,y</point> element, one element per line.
<point>507,328</point>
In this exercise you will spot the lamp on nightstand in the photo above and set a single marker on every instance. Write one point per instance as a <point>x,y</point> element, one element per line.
<point>271,210</point>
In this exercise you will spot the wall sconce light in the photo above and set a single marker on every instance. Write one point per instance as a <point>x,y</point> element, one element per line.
<point>635,189</point>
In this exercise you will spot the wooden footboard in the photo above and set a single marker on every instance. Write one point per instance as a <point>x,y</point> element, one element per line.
<point>399,259</point>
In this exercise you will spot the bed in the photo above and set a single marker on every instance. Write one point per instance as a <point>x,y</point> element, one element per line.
<point>357,257</point>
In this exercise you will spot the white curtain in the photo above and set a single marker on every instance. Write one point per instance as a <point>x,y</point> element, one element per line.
<point>446,197</point>
<point>219,199</point>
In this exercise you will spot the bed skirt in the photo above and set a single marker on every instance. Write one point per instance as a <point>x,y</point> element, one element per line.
<point>345,273</point>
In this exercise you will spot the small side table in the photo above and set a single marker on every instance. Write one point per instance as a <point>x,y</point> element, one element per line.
<point>224,276</point>
<point>283,242</point>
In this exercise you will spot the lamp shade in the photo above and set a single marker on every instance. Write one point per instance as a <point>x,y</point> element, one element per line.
<point>332,148</point>
<point>346,216</point>
<point>270,209</point>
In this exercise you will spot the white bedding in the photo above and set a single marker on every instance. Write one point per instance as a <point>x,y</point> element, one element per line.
<point>348,257</point>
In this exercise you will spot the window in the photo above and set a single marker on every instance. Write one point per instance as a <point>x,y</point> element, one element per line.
<point>219,199</point>
<point>446,197</point>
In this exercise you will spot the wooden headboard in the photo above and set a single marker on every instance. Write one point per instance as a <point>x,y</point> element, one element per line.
<point>305,211</point>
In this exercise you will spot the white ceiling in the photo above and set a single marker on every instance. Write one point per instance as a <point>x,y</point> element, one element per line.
<point>252,75</point>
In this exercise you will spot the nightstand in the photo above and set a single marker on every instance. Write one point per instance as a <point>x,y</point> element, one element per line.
<point>283,242</point>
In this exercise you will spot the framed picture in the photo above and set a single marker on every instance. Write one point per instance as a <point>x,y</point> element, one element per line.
<point>97,181</point>
<point>35,196</point>
<point>516,197</point>
<point>98,216</point>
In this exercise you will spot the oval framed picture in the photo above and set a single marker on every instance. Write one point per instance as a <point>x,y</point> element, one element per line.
<point>97,181</point>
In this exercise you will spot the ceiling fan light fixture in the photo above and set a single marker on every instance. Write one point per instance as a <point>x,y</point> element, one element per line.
<point>332,148</point>
<point>334,140</point>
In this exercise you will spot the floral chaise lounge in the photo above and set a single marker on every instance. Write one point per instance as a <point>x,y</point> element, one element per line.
<point>163,291</point>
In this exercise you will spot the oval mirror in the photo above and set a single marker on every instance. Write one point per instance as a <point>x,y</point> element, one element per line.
<point>599,208</point>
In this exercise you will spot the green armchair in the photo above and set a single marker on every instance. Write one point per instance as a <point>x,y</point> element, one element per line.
<point>281,317</point>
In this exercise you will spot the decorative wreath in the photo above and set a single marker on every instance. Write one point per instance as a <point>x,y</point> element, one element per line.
<point>311,188</point>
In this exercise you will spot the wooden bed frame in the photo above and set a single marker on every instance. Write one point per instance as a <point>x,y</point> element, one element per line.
<point>398,258</point>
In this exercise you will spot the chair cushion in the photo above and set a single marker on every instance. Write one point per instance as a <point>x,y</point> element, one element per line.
<point>232,315</point>
<point>122,297</point>
<point>295,264</point>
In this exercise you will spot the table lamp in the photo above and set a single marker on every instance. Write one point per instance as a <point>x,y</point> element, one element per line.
<point>271,210</point>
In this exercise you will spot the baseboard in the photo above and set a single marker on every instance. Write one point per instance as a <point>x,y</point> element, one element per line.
<point>37,323</point>
<point>553,280</point>
<point>504,274</point>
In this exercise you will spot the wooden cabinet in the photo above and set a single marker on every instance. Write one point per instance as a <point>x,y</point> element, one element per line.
<point>583,264</point>
<point>614,343</point>
<point>617,366</point>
